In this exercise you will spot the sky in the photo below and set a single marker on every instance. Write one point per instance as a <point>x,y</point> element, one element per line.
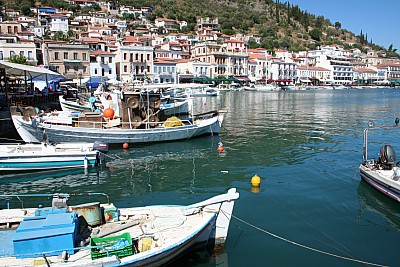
<point>376,18</point>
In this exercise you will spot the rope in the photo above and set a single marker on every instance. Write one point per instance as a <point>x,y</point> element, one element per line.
<point>304,246</point>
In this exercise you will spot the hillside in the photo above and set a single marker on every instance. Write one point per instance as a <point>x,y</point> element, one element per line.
<point>280,25</point>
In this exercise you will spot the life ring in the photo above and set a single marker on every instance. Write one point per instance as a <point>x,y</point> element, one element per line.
<point>29,112</point>
<point>155,102</point>
<point>133,102</point>
<point>136,121</point>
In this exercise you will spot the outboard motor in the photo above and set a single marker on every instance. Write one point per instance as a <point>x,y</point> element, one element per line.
<point>102,147</point>
<point>387,156</point>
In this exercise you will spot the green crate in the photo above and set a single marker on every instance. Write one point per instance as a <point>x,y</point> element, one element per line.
<point>107,243</point>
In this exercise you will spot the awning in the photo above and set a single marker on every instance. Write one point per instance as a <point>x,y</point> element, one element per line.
<point>31,71</point>
<point>242,78</point>
<point>186,76</point>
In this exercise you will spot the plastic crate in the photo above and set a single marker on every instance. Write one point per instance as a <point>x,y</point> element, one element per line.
<point>111,246</point>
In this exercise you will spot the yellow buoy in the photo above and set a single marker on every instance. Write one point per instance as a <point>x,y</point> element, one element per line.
<point>255,180</point>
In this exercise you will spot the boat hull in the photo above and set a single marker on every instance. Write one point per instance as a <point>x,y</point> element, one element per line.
<point>173,231</point>
<point>29,157</point>
<point>32,131</point>
<point>381,183</point>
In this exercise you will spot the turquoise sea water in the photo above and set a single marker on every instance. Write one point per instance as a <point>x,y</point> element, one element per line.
<point>305,145</point>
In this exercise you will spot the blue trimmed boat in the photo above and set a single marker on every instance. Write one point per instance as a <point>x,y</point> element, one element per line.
<point>45,156</point>
<point>94,234</point>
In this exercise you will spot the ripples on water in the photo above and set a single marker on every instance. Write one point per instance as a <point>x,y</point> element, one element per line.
<point>306,147</point>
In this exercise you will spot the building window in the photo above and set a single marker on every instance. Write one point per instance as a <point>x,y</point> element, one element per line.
<point>66,55</point>
<point>109,71</point>
<point>83,56</point>
<point>125,68</point>
<point>95,71</point>
<point>75,55</point>
<point>12,53</point>
<point>1,55</point>
<point>110,60</point>
<point>148,57</point>
<point>30,55</point>
<point>56,55</point>
<point>124,56</point>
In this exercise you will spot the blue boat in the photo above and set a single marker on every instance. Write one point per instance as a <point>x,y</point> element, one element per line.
<point>46,156</point>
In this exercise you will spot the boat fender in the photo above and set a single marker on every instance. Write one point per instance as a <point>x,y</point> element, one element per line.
<point>86,163</point>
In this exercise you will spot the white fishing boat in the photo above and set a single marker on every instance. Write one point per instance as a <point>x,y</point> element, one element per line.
<point>133,119</point>
<point>382,173</point>
<point>45,156</point>
<point>94,234</point>
<point>72,101</point>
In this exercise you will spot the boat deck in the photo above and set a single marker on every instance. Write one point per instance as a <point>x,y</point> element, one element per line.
<point>156,223</point>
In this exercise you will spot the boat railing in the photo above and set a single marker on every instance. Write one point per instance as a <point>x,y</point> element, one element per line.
<point>9,197</point>
<point>109,124</point>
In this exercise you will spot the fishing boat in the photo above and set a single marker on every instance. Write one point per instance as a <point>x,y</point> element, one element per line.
<point>72,101</point>
<point>46,156</point>
<point>94,234</point>
<point>133,117</point>
<point>382,173</point>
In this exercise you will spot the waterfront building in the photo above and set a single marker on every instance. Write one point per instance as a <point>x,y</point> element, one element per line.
<point>164,71</point>
<point>312,75</point>
<point>365,76</point>
<point>282,72</point>
<point>69,59</point>
<point>13,45</point>
<point>134,61</point>
<point>391,71</point>
<point>102,63</point>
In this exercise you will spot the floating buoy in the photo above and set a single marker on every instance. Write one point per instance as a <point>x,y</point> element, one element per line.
<point>125,145</point>
<point>255,181</point>
<point>220,149</point>
<point>108,113</point>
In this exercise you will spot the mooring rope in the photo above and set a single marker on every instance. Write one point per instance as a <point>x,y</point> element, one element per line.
<point>304,246</point>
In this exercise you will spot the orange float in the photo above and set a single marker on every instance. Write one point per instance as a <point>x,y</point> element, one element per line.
<point>108,113</point>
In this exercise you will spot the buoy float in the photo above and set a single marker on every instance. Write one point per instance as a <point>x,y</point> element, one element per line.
<point>255,180</point>
<point>220,149</point>
<point>108,113</point>
<point>125,146</point>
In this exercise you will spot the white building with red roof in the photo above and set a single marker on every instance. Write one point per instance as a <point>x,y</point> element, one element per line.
<point>103,64</point>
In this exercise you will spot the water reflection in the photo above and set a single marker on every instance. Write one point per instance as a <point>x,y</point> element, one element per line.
<point>370,200</point>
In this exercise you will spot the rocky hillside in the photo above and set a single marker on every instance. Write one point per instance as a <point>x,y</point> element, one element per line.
<point>280,25</point>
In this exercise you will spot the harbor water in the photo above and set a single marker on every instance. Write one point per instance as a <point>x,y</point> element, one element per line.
<point>311,208</point>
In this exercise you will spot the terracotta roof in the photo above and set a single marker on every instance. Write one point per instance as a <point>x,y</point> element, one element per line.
<point>100,52</point>
<point>365,70</point>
